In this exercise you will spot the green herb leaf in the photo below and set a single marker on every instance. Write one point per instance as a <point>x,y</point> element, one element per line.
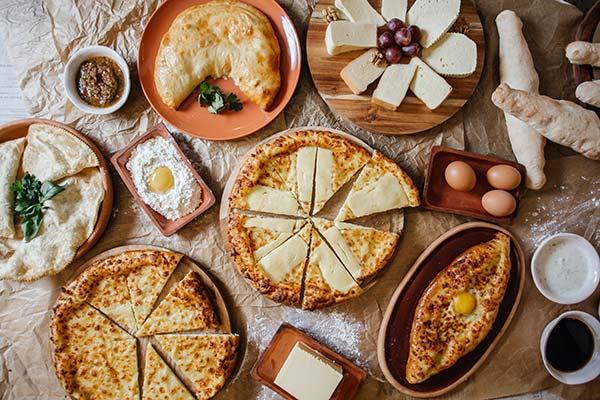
<point>30,196</point>
<point>212,97</point>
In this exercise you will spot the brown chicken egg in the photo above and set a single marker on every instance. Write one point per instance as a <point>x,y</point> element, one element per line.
<point>503,177</point>
<point>460,176</point>
<point>499,203</point>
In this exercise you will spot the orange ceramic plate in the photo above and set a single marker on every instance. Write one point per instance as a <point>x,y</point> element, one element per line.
<point>196,120</point>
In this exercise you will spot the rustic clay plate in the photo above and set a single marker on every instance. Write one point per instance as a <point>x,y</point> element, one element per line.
<point>190,117</point>
<point>585,32</point>
<point>393,340</point>
<point>18,129</point>
<point>164,225</point>
<point>439,196</point>
<point>272,359</point>
<point>185,265</point>
<point>412,116</point>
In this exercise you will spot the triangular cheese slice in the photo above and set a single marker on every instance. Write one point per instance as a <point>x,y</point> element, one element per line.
<point>53,153</point>
<point>326,281</point>
<point>206,360</point>
<point>93,353</point>
<point>338,160</point>
<point>381,186</point>
<point>185,308</point>
<point>146,283</point>
<point>363,251</point>
<point>279,274</point>
<point>252,237</point>
<point>160,382</point>
<point>111,296</point>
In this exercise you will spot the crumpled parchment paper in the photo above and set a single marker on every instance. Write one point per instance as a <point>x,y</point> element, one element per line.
<point>40,35</point>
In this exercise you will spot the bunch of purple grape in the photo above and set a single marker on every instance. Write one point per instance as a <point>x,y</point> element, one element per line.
<point>399,39</point>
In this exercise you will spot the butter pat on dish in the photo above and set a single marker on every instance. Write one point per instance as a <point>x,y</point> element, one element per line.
<point>307,375</point>
<point>344,36</point>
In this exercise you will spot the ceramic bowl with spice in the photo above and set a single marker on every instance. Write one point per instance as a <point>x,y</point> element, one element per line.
<point>96,80</point>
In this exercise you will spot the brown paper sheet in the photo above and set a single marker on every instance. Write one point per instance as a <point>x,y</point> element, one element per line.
<point>40,35</point>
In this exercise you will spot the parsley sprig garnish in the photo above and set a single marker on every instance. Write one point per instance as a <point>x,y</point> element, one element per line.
<point>31,194</point>
<point>212,97</point>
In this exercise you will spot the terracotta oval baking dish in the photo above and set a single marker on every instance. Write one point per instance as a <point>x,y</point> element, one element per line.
<point>394,333</point>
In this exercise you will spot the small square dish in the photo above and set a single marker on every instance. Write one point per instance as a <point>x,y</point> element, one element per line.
<point>439,196</point>
<point>272,360</point>
<point>166,226</point>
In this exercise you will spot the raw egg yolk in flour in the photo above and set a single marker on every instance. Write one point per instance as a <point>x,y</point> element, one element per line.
<point>161,180</point>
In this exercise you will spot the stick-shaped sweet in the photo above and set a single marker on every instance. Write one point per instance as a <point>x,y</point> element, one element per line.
<point>560,121</point>
<point>518,71</point>
<point>589,92</point>
<point>583,53</point>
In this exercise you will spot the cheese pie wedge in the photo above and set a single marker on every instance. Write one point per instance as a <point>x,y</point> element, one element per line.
<point>206,360</point>
<point>458,308</point>
<point>327,281</point>
<point>381,186</point>
<point>186,307</point>
<point>160,382</point>
<point>363,251</point>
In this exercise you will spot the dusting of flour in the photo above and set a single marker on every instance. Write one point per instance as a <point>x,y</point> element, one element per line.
<point>185,195</point>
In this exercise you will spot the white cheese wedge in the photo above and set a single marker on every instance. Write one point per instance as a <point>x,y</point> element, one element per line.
<point>360,11</point>
<point>393,85</point>
<point>333,271</point>
<point>276,201</point>
<point>273,224</point>
<point>428,86</point>
<point>394,9</point>
<point>361,72</point>
<point>384,194</point>
<point>323,178</point>
<point>453,55</point>
<point>272,245</point>
<point>278,263</point>
<point>307,375</point>
<point>306,158</point>
<point>433,17</point>
<point>344,36</point>
<point>340,247</point>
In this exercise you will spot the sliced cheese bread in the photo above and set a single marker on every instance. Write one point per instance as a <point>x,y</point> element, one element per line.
<point>147,282</point>
<point>433,17</point>
<point>453,55</point>
<point>363,251</point>
<point>326,281</point>
<point>252,237</point>
<point>394,9</point>
<point>344,36</point>
<point>428,86</point>
<point>361,72</point>
<point>82,339</point>
<point>381,186</point>
<point>338,160</point>
<point>186,307</point>
<point>393,85</point>
<point>206,360</point>
<point>160,382</point>
<point>279,274</point>
<point>360,11</point>
<point>111,296</point>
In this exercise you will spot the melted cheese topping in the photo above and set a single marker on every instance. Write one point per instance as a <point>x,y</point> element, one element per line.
<point>384,194</point>
<point>306,157</point>
<point>332,269</point>
<point>266,199</point>
<point>278,263</point>
<point>324,176</point>
<point>336,240</point>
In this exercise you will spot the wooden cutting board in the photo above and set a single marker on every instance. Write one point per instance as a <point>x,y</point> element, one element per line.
<point>412,116</point>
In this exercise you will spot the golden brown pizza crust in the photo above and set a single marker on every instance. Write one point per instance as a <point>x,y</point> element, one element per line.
<point>440,336</point>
